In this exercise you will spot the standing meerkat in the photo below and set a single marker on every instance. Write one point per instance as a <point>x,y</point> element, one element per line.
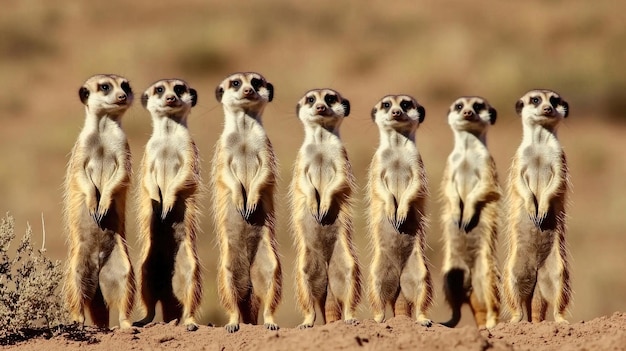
<point>99,273</point>
<point>471,213</point>
<point>327,269</point>
<point>168,208</point>
<point>244,182</point>
<point>397,191</point>
<point>537,269</point>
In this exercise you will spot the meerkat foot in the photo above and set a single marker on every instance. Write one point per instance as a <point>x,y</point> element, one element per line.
<point>305,325</point>
<point>352,321</point>
<point>423,321</point>
<point>191,327</point>
<point>516,318</point>
<point>560,319</point>
<point>125,324</point>
<point>379,318</point>
<point>271,326</point>
<point>232,328</point>
<point>491,322</point>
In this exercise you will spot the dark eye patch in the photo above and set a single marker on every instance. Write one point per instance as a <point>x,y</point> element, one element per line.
<point>126,88</point>
<point>458,107</point>
<point>330,99</point>
<point>535,100</point>
<point>180,89</point>
<point>555,101</point>
<point>386,105</point>
<point>105,88</point>
<point>406,105</point>
<point>159,90</point>
<point>310,100</point>
<point>235,84</point>
<point>256,83</point>
<point>478,106</point>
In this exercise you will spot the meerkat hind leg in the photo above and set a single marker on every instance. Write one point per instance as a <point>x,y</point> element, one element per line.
<point>312,284</point>
<point>117,282</point>
<point>265,282</point>
<point>185,286</point>
<point>98,310</point>
<point>416,286</point>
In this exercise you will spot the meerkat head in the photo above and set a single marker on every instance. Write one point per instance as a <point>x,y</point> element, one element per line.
<point>471,114</point>
<point>248,91</point>
<point>323,106</point>
<point>169,97</point>
<point>398,112</point>
<point>542,106</point>
<point>106,94</point>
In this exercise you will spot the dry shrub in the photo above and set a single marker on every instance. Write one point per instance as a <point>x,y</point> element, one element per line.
<point>29,286</point>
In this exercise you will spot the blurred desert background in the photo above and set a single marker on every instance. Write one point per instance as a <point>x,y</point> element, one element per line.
<point>435,51</point>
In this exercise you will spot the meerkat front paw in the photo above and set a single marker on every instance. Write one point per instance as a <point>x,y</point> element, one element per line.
<point>401,214</point>
<point>325,204</point>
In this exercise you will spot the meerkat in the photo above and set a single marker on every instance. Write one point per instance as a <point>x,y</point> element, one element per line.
<point>397,190</point>
<point>168,207</point>
<point>537,270</point>
<point>470,215</point>
<point>99,273</point>
<point>327,270</point>
<point>244,183</point>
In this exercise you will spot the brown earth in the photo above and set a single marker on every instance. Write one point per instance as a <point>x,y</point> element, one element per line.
<point>604,333</point>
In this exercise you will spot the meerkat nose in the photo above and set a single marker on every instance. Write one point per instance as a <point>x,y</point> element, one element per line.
<point>121,97</point>
<point>468,114</point>
<point>248,91</point>
<point>396,112</point>
<point>547,109</point>
<point>320,108</point>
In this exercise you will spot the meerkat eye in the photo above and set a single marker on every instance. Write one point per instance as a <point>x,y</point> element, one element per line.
<point>235,83</point>
<point>180,89</point>
<point>478,106</point>
<point>555,101</point>
<point>330,99</point>
<point>159,90</point>
<point>386,105</point>
<point>256,83</point>
<point>406,105</point>
<point>104,87</point>
<point>310,99</point>
<point>458,107</point>
<point>535,100</point>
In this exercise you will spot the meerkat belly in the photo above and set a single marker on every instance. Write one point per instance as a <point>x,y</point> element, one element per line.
<point>244,157</point>
<point>536,169</point>
<point>321,167</point>
<point>100,166</point>
<point>466,176</point>
<point>165,165</point>
<point>396,174</point>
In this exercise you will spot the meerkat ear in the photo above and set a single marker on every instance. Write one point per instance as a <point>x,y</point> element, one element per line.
<point>346,107</point>
<point>422,112</point>
<point>194,96</point>
<point>144,100</point>
<point>219,93</point>
<point>298,110</point>
<point>566,107</point>
<point>519,106</point>
<point>493,115</point>
<point>374,110</point>
<point>83,93</point>
<point>270,88</point>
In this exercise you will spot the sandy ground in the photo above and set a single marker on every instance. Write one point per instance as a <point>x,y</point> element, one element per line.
<point>399,333</point>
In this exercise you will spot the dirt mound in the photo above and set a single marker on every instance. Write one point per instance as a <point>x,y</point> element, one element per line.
<point>604,333</point>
